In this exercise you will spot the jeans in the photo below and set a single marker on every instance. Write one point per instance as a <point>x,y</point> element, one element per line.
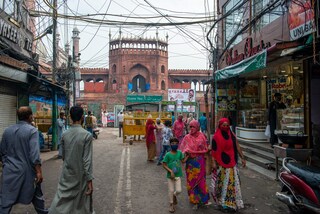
<point>90,129</point>
<point>164,150</point>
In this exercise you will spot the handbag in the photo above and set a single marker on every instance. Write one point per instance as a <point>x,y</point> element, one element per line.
<point>267,132</point>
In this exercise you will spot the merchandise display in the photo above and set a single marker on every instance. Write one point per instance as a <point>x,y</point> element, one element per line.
<point>254,118</point>
<point>291,120</point>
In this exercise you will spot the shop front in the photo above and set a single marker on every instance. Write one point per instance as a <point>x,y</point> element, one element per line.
<point>245,90</point>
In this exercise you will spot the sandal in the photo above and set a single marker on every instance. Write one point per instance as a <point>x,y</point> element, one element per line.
<point>171,209</point>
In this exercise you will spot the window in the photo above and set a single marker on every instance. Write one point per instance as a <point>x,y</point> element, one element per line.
<point>163,69</point>
<point>163,85</point>
<point>114,69</point>
<point>233,22</point>
<point>267,18</point>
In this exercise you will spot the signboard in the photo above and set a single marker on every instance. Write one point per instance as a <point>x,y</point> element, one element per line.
<point>137,98</point>
<point>179,95</point>
<point>300,19</point>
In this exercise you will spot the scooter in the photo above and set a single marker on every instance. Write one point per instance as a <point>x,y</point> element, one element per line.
<point>300,187</point>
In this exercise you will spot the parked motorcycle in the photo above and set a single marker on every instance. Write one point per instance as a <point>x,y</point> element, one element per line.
<point>301,187</point>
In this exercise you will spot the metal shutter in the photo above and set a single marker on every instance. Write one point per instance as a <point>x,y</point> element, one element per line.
<point>8,106</point>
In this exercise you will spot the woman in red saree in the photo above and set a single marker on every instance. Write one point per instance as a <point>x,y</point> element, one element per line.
<point>226,181</point>
<point>150,139</point>
<point>195,144</point>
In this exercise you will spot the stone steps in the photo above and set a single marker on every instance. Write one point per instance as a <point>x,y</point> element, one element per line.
<point>260,158</point>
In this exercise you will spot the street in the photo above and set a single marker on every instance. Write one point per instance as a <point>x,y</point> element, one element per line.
<point>126,183</point>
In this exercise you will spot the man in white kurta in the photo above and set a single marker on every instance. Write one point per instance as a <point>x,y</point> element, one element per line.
<point>74,194</point>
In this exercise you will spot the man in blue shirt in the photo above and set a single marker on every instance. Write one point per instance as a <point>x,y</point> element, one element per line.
<point>203,123</point>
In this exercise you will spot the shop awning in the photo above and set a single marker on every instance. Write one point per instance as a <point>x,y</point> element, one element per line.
<point>250,64</point>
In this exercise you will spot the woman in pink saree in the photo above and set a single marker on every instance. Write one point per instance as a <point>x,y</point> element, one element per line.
<point>178,129</point>
<point>195,144</point>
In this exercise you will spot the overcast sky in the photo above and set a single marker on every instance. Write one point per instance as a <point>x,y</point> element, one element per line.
<point>187,43</point>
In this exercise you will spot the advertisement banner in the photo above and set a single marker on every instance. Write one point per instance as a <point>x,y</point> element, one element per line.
<point>180,95</point>
<point>300,19</point>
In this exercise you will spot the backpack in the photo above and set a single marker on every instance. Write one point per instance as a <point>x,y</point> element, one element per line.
<point>88,122</point>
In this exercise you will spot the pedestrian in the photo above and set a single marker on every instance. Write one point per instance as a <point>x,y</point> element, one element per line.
<point>74,193</point>
<point>41,137</point>
<point>94,121</point>
<point>226,182</point>
<point>104,118</point>
<point>178,128</point>
<point>61,127</point>
<point>195,144</point>
<point>166,136</point>
<point>272,116</point>
<point>172,117</point>
<point>150,139</point>
<point>21,172</point>
<point>203,123</point>
<point>187,125</point>
<point>172,163</point>
<point>159,136</point>
<point>89,123</point>
<point>120,119</point>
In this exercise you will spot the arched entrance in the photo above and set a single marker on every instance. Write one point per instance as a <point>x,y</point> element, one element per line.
<point>139,84</point>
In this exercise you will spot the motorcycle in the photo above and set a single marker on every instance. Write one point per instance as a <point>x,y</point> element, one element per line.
<point>300,187</point>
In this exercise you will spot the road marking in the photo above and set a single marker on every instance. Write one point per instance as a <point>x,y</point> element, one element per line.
<point>128,186</point>
<point>117,209</point>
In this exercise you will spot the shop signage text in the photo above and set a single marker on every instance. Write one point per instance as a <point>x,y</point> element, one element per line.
<point>234,57</point>
<point>13,34</point>
<point>144,98</point>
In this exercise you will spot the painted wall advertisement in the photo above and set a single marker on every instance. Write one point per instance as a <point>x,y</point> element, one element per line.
<point>42,106</point>
<point>182,95</point>
<point>300,19</point>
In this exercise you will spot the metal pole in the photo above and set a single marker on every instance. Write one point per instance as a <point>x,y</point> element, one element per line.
<point>54,68</point>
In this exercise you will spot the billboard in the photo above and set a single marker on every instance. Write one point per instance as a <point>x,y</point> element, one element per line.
<point>300,19</point>
<point>180,95</point>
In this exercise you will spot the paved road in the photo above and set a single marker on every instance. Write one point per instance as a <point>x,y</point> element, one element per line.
<point>126,183</point>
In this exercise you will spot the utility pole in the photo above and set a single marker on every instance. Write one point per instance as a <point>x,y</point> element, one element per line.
<point>54,69</point>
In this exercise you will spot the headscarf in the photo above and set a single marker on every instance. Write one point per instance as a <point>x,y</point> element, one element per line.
<point>194,143</point>
<point>224,145</point>
<point>149,131</point>
<point>178,127</point>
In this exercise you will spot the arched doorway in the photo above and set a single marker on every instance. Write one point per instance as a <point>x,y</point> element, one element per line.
<point>139,84</point>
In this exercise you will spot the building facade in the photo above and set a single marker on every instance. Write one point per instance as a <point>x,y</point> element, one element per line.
<point>267,47</point>
<point>136,66</point>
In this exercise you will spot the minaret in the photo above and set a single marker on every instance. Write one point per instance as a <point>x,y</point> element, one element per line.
<point>75,39</point>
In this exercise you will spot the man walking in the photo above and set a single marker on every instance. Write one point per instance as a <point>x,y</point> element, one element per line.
<point>74,194</point>
<point>89,123</point>
<point>61,123</point>
<point>21,173</point>
<point>120,119</point>
<point>203,123</point>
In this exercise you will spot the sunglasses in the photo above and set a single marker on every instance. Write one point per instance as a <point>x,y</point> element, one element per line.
<point>192,126</point>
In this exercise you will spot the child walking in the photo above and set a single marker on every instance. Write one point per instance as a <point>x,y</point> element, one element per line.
<point>172,163</point>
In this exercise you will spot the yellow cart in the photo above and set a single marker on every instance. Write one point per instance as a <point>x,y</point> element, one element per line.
<point>135,124</point>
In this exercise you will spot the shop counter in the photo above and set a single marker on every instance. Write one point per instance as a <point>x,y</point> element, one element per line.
<point>251,135</point>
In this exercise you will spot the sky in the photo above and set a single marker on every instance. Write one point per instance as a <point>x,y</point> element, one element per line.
<point>188,47</point>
